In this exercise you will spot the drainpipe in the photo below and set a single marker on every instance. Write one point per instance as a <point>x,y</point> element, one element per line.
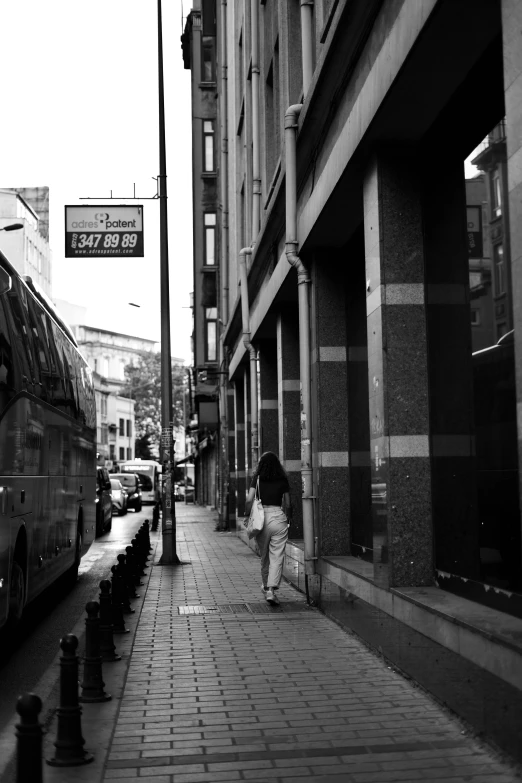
<point>256,176</point>
<point>303,281</point>
<point>307,42</point>
<point>245,312</point>
<point>224,271</point>
<point>224,164</point>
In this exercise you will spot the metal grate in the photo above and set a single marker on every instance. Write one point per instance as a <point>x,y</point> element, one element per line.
<point>289,607</point>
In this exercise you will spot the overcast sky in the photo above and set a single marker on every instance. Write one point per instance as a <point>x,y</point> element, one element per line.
<point>79,105</point>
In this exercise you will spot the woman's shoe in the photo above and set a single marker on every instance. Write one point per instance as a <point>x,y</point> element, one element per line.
<point>271,597</point>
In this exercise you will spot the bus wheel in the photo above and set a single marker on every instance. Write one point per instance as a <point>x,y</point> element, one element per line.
<point>16,593</point>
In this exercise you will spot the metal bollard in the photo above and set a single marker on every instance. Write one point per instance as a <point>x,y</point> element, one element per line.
<point>144,555</point>
<point>138,554</point>
<point>121,568</point>
<point>139,539</point>
<point>133,578</point>
<point>155,517</point>
<point>69,741</point>
<point>118,623</point>
<point>29,733</point>
<point>146,527</point>
<point>92,685</point>
<point>130,570</point>
<point>107,647</point>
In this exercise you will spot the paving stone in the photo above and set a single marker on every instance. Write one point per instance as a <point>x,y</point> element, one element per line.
<point>279,696</point>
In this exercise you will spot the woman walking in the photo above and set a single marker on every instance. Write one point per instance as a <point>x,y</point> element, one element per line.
<point>274,492</point>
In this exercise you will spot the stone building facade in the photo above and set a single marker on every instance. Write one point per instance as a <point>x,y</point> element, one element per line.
<point>199,47</point>
<point>348,346</point>
<point>27,248</point>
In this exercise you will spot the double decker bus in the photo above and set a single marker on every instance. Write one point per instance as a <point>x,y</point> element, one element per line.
<point>149,472</point>
<point>47,446</point>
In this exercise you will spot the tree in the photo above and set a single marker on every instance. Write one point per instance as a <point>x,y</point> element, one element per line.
<point>142,448</point>
<point>143,384</point>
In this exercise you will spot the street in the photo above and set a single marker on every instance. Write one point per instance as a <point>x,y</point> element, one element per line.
<point>29,661</point>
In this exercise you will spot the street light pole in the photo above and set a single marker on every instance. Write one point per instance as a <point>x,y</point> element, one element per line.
<point>168,525</point>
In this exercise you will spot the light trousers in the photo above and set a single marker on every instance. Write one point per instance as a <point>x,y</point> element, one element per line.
<point>272,541</point>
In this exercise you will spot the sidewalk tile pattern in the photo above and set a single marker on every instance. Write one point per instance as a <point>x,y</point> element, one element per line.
<point>220,694</point>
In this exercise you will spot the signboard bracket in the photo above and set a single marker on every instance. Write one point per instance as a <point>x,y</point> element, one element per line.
<point>122,198</point>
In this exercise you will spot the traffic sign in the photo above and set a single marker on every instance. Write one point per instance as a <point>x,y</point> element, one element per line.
<point>103,231</point>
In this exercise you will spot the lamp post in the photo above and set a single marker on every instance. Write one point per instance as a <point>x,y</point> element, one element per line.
<point>168,524</point>
<point>12,227</point>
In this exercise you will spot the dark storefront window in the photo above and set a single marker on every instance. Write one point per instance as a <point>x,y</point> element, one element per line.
<point>496,511</point>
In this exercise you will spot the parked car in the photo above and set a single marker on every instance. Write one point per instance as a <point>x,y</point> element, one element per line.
<point>103,501</point>
<point>119,497</point>
<point>132,485</point>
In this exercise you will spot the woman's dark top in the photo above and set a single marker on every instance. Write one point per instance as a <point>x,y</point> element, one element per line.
<point>271,492</point>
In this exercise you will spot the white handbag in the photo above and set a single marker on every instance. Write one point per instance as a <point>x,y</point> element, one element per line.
<point>256,520</point>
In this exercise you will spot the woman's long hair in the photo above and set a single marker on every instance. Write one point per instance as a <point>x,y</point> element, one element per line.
<point>269,468</point>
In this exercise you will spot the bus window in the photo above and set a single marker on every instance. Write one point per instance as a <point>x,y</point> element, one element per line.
<point>70,375</point>
<point>42,350</point>
<point>58,394</point>
<point>20,337</point>
<point>90,402</point>
<point>7,371</point>
<point>63,396</point>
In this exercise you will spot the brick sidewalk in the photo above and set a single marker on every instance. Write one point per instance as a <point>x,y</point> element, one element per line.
<point>222,687</point>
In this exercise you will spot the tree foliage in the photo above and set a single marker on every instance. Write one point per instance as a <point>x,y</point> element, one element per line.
<point>143,384</point>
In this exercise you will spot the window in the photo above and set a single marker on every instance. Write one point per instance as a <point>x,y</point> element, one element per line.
<point>21,336</point>
<point>208,48</point>
<point>475,317</point>
<point>112,451</point>
<point>496,194</point>
<point>208,146</point>
<point>41,350</point>
<point>103,405</point>
<point>128,423</point>
<point>104,434</point>
<point>7,363</point>
<point>211,334</point>
<point>500,277</point>
<point>122,369</point>
<point>122,427</point>
<point>129,453</point>
<point>210,238</point>
<point>122,453</point>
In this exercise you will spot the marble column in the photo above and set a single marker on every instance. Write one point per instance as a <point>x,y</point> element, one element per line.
<point>289,409</point>
<point>330,404</point>
<point>397,372</point>
<point>248,428</point>
<point>239,432</point>
<point>268,409</point>
<point>358,418</point>
<point>232,480</point>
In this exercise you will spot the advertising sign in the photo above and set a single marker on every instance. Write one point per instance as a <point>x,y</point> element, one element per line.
<point>474,231</point>
<point>94,232</point>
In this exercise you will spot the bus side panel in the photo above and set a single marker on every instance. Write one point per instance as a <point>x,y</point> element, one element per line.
<point>47,470</point>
